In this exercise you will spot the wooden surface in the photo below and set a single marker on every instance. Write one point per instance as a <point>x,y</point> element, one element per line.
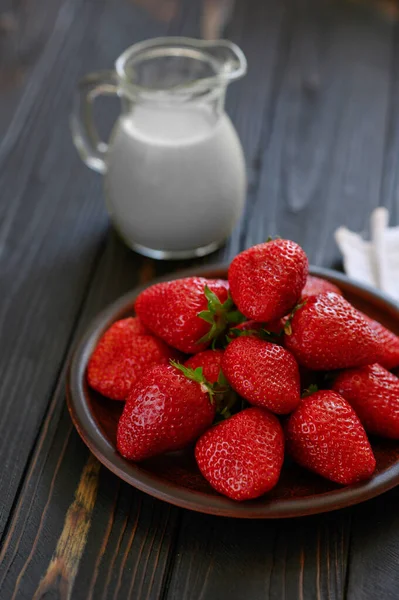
<point>318,115</point>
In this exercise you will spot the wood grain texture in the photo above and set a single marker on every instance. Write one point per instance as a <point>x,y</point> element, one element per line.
<point>374,550</point>
<point>64,564</point>
<point>127,547</point>
<point>52,226</point>
<point>291,559</point>
<point>324,145</point>
<point>27,45</point>
<point>318,117</point>
<point>42,219</point>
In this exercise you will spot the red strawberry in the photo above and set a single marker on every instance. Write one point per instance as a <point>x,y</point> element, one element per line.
<point>324,435</point>
<point>315,286</point>
<point>165,411</point>
<point>373,393</point>
<point>186,313</point>
<point>266,280</point>
<point>329,333</point>
<point>242,456</point>
<point>389,355</point>
<point>122,356</point>
<point>210,361</point>
<point>263,373</point>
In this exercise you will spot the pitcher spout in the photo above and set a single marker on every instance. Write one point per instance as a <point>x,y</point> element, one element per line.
<point>233,64</point>
<point>178,69</point>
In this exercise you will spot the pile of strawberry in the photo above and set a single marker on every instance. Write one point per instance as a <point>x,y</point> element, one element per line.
<point>255,343</point>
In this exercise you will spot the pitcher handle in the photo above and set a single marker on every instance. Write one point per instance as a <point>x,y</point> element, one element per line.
<point>91,148</point>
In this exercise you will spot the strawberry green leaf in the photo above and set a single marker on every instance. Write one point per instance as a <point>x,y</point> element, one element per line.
<point>205,315</point>
<point>287,324</point>
<point>222,381</point>
<point>235,317</point>
<point>218,315</point>
<point>213,301</point>
<point>228,304</point>
<point>212,334</point>
<point>193,374</point>
<point>313,388</point>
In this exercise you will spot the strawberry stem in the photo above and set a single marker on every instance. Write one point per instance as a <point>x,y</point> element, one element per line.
<point>218,315</point>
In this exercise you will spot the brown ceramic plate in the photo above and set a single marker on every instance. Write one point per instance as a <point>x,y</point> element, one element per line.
<point>175,477</point>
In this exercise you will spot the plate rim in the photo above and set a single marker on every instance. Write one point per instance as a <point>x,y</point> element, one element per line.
<point>170,492</point>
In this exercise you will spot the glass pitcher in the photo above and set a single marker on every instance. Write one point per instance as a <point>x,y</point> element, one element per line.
<point>174,169</point>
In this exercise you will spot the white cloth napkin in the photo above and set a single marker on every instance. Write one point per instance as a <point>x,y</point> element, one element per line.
<point>375,262</point>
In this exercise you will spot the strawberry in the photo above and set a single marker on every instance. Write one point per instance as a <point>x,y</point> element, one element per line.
<point>167,410</point>
<point>263,373</point>
<point>210,361</point>
<point>389,355</point>
<point>329,333</point>
<point>324,435</point>
<point>373,393</point>
<point>242,456</point>
<point>266,280</point>
<point>122,355</point>
<point>187,313</point>
<point>315,286</point>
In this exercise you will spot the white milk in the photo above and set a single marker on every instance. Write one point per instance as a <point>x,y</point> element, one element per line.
<point>175,178</point>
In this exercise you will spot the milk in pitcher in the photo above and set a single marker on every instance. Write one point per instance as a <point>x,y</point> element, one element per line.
<point>175,178</point>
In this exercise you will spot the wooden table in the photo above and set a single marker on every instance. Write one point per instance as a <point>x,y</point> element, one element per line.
<point>318,115</point>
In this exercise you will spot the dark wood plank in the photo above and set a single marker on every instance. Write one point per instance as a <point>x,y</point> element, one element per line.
<point>374,550</point>
<point>223,558</point>
<point>323,146</point>
<point>31,34</point>
<point>43,217</point>
<point>291,559</point>
<point>390,182</point>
